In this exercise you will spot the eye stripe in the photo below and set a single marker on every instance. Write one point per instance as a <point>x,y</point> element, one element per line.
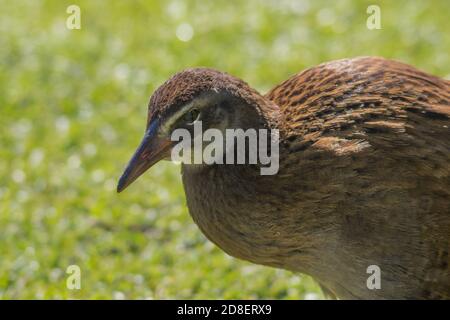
<point>175,117</point>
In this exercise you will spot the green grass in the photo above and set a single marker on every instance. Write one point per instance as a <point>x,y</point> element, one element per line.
<point>73,108</point>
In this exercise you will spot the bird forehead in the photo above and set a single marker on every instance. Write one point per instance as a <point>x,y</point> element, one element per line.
<point>183,88</point>
<point>179,90</point>
<point>186,86</point>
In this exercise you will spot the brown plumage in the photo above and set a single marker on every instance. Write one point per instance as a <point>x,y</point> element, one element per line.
<point>364,174</point>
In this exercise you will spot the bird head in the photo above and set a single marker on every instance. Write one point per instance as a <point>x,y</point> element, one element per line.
<point>217,99</point>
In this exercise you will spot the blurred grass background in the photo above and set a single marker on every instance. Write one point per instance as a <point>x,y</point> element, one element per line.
<point>73,107</point>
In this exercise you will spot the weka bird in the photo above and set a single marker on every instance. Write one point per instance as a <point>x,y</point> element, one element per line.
<point>364,173</point>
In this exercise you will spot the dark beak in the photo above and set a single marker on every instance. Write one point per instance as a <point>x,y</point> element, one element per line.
<point>151,150</point>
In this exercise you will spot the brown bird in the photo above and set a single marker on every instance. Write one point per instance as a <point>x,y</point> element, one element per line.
<point>363,180</point>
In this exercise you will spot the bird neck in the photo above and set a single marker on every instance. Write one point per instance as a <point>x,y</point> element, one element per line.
<point>267,113</point>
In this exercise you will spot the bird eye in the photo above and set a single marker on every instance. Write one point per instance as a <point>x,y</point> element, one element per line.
<point>191,116</point>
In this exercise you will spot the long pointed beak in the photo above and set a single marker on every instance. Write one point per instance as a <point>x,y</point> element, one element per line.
<point>151,150</point>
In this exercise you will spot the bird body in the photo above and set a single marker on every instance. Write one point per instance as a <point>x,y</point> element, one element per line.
<point>363,180</point>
